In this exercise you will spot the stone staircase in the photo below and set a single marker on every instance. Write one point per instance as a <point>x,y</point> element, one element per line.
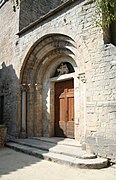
<point>64,151</point>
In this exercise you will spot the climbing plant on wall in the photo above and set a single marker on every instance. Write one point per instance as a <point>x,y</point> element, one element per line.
<point>105,17</point>
<point>105,12</point>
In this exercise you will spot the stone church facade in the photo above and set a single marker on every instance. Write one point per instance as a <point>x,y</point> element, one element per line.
<point>57,75</point>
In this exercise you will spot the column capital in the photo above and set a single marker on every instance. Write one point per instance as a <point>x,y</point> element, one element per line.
<point>82,77</point>
<point>24,87</point>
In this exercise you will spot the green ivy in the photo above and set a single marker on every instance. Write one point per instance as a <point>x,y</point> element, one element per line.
<point>105,12</point>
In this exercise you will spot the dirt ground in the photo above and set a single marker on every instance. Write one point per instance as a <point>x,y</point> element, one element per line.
<point>18,166</point>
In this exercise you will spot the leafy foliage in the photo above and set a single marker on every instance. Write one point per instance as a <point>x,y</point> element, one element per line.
<point>105,12</point>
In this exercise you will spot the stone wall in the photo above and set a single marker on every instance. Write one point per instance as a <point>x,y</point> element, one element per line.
<point>74,21</point>
<point>98,62</point>
<point>97,112</point>
<point>101,109</point>
<point>8,78</point>
<point>31,11</point>
<point>3,132</point>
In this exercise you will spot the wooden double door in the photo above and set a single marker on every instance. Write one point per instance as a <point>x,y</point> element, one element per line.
<point>64,109</point>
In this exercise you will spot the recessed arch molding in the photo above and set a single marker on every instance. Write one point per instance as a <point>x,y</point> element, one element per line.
<point>45,51</point>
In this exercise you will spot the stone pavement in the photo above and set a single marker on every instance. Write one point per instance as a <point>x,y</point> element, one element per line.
<point>19,166</point>
<point>64,151</point>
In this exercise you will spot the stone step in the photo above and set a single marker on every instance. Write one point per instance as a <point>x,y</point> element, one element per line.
<point>57,140</point>
<point>96,163</point>
<point>58,148</point>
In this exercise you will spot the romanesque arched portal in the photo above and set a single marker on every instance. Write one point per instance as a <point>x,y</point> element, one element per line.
<point>49,61</point>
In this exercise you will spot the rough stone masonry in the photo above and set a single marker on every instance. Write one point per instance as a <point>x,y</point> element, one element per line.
<point>32,46</point>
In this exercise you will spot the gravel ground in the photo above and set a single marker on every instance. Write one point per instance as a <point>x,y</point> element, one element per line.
<point>18,166</point>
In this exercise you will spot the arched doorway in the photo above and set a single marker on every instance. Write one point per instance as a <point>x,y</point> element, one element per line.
<point>58,94</point>
<point>64,101</point>
<point>39,82</point>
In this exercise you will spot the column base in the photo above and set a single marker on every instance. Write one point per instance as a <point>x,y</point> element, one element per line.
<point>23,135</point>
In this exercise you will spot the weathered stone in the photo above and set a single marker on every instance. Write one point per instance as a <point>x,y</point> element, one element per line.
<point>3,133</point>
<point>68,154</point>
<point>31,57</point>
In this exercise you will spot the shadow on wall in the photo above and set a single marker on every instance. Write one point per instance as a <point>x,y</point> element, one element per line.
<point>9,92</point>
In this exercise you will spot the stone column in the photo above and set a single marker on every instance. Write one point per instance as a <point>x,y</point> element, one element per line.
<point>76,107</point>
<point>31,109</point>
<point>24,109</point>
<point>52,118</point>
<point>83,80</point>
<point>38,111</point>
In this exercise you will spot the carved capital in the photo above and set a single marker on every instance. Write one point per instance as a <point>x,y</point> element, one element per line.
<point>24,87</point>
<point>37,87</point>
<point>82,77</point>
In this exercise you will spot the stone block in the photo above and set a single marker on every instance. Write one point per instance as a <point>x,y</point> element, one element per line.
<point>3,132</point>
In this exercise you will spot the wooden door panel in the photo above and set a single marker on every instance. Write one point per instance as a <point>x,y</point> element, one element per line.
<point>70,109</point>
<point>70,94</point>
<point>63,128</point>
<point>64,109</point>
